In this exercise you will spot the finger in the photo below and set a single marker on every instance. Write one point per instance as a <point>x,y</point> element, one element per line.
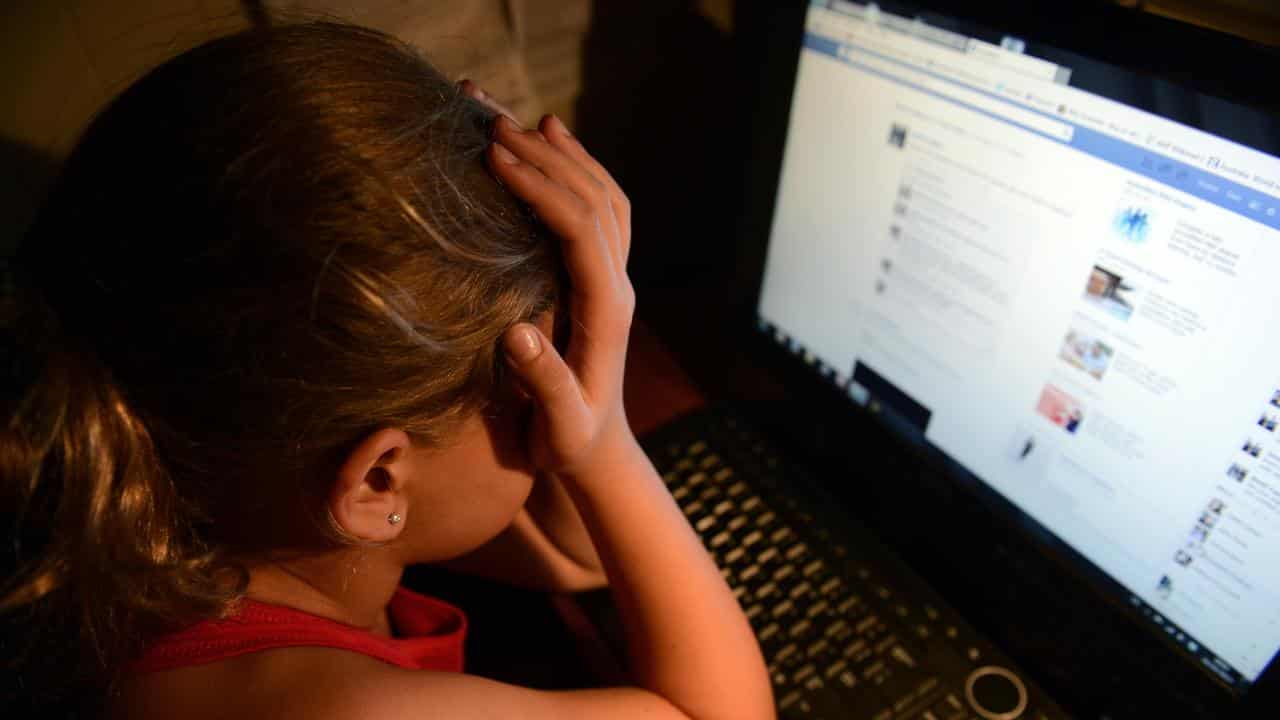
<point>559,136</point>
<point>564,213</point>
<point>478,94</point>
<point>546,376</point>
<point>532,147</point>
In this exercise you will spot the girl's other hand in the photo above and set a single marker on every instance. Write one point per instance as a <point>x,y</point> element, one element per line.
<point>579,427</point>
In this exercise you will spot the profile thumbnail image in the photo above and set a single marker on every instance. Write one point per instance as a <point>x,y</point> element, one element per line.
<point>1267,421</point>
<point>1108,290</point>
<point>1132,223</point>
<point>1060,408</point>
<point>1251,448</point>
<point>897,135</point>
<point>1087,353</point>
<point>1237,472</point>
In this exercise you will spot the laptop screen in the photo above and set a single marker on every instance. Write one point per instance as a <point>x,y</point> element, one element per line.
<point>1004,255</point>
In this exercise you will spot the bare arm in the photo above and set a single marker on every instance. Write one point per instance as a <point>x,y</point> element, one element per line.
<point>546,547</point>
<point>687,640</point>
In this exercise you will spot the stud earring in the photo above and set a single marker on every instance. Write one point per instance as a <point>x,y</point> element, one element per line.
<point>394,518</point>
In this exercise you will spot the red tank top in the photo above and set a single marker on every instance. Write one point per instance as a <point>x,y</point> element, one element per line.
<point>429,636</point>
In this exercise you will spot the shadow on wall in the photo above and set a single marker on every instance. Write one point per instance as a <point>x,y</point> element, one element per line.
<point>22,189</point>
<point>658,109</point>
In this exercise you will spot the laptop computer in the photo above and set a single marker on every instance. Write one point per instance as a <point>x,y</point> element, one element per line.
<point>1014,285</point>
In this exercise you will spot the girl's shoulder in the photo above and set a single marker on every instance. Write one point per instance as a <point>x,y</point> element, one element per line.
<point>310,682</point>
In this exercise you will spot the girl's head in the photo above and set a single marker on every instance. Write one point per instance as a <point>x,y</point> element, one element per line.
<point>274,268</point>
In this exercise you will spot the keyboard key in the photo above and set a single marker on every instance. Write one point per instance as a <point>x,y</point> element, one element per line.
<point>805,671</point>
<point>796,551</point>
<point>781,535</point>
<point>858,651</point>
<point>697,479</point>
<point>720,539</point>
<point>749,572</point>
<point>680,493</point>
<point>848,604</point>
<point>885,645</point>
<point>834,668</point>
<point>790,700</point>
<point>769,631</point>
<point>801,590</point>
<point>752,503</point>
<point>724,507</point>
<point>737,523</point>
<point>818,648</point>
<point>783,608</point>
<point>752,539</point>
<point>736,489</point>
<point>838,629</point>
<point>800,628</point>
<point>710,494</point>
<point>787,653</point>
<point>709,461</point>
<point>812,568</point>
<point>816,609</point>
<point>784,572</point>
<point>900,654</point>
<point>765,518</point>
<point>754,611</point>
<point>734,555</point>
<point>766,590</point>
<point>705,523</point>
<point>829,587</point>
<point>768,555</point>
<point>866,624</point>
<point>693,508</point>
<point>723,474</point>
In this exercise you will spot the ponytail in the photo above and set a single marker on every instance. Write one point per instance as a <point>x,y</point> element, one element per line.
<point>97,542</point>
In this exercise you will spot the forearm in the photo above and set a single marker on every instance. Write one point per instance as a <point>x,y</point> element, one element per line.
<point>522,555</point>
<point>553,514</point>
<point>687,638</point>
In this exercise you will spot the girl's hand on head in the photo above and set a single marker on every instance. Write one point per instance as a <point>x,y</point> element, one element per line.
<point>579,426</point>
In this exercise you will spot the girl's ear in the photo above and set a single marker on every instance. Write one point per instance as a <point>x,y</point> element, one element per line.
<point>368,500</point>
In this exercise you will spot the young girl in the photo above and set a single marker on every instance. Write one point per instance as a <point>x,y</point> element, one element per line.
<point>286,327</point>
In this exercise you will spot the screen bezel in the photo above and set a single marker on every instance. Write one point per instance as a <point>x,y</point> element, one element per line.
<point>771,40</point>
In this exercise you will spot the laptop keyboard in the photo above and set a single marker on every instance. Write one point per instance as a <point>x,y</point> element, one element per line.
<point>840,640</point>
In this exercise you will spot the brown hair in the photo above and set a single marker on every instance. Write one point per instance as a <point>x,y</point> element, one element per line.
<point>260,252</point>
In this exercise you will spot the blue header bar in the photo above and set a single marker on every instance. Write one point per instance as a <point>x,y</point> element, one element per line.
<point>1165,170</point>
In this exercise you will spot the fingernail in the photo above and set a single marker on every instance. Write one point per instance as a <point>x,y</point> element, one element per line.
<point>504,155</point>
<point>564,129</point>
<point>523,345</point>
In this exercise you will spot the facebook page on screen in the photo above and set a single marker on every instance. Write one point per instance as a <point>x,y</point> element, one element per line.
<point>1081,294</point>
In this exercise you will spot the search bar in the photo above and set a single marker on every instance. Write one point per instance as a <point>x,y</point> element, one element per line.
<point>958,94</point>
